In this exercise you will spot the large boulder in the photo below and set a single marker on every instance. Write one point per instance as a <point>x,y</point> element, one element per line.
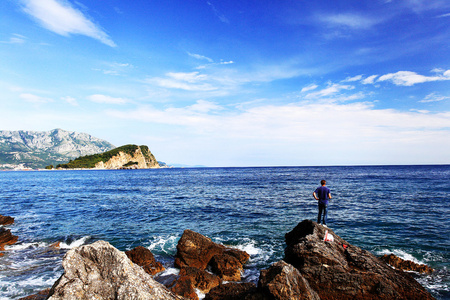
<point>235,291</point>
<point>406,265</point>
<point>284,282</point>
<point>144,258</point>
<point>338,270</point>
<point>100,271</point>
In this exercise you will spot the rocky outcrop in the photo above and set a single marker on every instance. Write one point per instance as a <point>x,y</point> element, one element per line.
<point>38,149</point>
<point>141,158</point>
<point>42,295</point>
<point>406,265</point>
<point>6,220</point>
<point>282,281</point>
<point>6,238</point>
<point>235,291</point>
<point>338,270</point>
<point>144,258</point>
<point>196,253</point>
<point>100,271</point>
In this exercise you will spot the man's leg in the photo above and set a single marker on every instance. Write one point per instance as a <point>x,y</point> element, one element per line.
<point>320,213</point>
<point>325,214</point>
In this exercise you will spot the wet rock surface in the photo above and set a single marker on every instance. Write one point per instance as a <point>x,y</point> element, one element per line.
<point>405,265</point>
<point>144,258</point>
<point>6,220</point>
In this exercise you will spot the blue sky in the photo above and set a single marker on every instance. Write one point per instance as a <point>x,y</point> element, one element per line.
<point>235,83</point>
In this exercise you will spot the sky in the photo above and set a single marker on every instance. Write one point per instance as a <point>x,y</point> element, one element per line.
<point>235,83</point>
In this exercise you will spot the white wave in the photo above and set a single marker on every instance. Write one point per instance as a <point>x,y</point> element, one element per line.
<point>200,294</point>
<point>250,248</point>
<point>166,245</point>
<point>400,253</point>
<point>75,243</point>
<point>23,246</point>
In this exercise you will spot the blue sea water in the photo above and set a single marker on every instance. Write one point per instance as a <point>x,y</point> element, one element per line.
<point>384,209</point>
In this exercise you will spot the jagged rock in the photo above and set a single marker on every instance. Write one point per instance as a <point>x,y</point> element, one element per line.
<point>42,295</point>
<point>235,291</point>
<point>6,220</point>
<point>100,271</point>
<point>144,258</point>
<point>338,270</point>
<point>6,238</point>
<point>406,265</point>
<point>201,279</point>
<point>195,250</point>
<point>184,287</point>
<point>226,266</point>
<point>284,282</point>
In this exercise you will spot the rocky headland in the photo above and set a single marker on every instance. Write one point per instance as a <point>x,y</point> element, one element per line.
<point>124,157</point>
<point>6,237</point>
<point>313,268</point>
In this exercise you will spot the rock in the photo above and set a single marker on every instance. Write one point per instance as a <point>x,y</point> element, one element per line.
<point>196,250</point>
<point>144,258</point>
<point>235,291</point>
<point>42,295</point>
<point>184,287</point>
<point>406,265</point>
<point>226,266</point>
<point>55,245</point>
<point>338,270</point>
<point>100,271</point>
<point>201,279</point>
<point>282,282</point>
<point>5,220</point>
<point>6,238</point>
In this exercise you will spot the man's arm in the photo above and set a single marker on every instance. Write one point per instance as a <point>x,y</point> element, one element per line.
<point>315,196</point>
<point>329,195</point>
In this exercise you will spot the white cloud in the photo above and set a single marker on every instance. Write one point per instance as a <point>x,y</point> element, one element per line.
<point>31,98</point>
<point>293,133</point>
<point>309,88</point>
<point>349,20</point>
<point>433,97</point>
<point>72,101</point>
<point>354,78</point>
<point>200,57</point>
<point>369,80</point>
<point>15,39</point>
<point>221,17</point>
<point>193,81</point>
<point>97,98</point>
<point>408,78</point>
<point>61,18</point>
<point>332,89</point>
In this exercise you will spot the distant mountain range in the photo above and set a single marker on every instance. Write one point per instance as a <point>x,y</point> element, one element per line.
<point>38,149</point>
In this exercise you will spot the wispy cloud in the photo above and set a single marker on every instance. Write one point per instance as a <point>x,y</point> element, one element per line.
<point>332,89</point>
<point>35,99</point>
<point>221,17</point>
<point>71,100</point>
<point>193,81</point>
<point>15,39</point>
<point>309,88</point>
<point>434,97</point>
<point>369,80</point>
<point>408,78</point>
<point>63,19</point>
<point>98,98</point>
<point>200,57</point>
<point>349,20</point>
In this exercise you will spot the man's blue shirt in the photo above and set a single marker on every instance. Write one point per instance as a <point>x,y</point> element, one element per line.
<point>322,193</point>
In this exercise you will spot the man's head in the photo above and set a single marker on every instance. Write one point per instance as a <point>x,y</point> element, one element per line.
<point>323,182</point>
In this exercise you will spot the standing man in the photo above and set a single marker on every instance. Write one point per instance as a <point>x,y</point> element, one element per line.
<point>322,194</point>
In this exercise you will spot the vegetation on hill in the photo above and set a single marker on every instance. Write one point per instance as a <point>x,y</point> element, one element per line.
<point>89,161</point>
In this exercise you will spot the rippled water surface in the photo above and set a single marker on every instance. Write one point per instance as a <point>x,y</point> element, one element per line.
<point>394,209</point>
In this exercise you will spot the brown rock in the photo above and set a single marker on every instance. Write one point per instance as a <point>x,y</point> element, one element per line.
<point>144,258</point>
<point>42,295</point>
<point>6,238</point>
<point>406,265</point>
<point>201,279</point>
<point>284,282</point>
<point>184,287</point>
<point>195,250</point>
<point>226,266</point>
<point>56,245</point>
<point>338,270</point>
<point>5,220</point>
<point>235,291</point>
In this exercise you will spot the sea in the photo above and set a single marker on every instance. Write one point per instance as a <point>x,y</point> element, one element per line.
<point>402,210</point>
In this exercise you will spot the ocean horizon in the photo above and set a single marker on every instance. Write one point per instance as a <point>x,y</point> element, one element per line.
<point>399,209</point>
